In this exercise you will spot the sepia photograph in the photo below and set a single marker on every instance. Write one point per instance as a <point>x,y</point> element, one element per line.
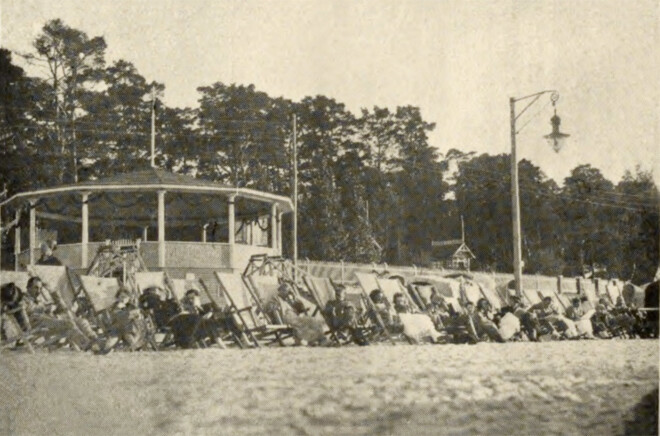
<point>345,217</point>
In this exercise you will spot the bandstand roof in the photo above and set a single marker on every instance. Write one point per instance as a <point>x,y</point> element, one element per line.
<point>151,180</point>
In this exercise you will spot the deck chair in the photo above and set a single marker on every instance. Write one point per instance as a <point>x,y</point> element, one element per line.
<point>416,325</point>
<point>613,291</point>
<point>369,318</point>
<point>150,279</point>
<point>590,293</point>
<point>561,305</point>
<point>492,296</point>
<point>392,286</point>
<point>531,296</point>
<point>367,281</point>
<point>58,280</point>
<point>449,289</point>
<point>58,290</point>
<point>101,292</point>
<point>471,291</point>
<point>322,291</point>
<point>243,307</point>
<point>264,288</point>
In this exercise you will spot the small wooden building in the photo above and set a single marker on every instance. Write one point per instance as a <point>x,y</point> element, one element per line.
<point>454,254</point>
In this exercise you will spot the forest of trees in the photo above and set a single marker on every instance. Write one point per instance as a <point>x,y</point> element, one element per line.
<point>371,186</point>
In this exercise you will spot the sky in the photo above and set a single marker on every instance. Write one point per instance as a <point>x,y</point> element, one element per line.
<point>459,61</point>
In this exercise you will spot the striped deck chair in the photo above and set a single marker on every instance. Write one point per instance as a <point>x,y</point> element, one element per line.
<point>243,308</point>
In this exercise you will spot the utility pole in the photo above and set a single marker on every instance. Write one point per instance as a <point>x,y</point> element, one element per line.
<point>153,127</point>
<point>295,194</point>
<point>515,204</point>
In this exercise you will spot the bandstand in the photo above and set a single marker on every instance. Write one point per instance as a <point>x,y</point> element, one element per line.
<point>184,224</point>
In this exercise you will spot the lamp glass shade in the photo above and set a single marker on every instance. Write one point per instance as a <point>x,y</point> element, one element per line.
<point>556,139</point>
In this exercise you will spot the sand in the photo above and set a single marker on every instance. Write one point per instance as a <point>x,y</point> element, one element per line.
<point>582,387</point>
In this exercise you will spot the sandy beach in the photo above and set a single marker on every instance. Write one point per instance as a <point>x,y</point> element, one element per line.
<point>518,388</point>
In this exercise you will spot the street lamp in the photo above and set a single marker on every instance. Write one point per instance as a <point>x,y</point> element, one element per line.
<point>556,140</point>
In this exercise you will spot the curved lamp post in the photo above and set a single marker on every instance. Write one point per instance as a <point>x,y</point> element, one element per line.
<point>556,140</point>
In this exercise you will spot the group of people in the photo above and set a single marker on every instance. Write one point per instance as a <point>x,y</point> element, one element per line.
<point>133,320</point>
<point>472,323</point>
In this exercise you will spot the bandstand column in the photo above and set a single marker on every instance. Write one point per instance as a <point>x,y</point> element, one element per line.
<point>17,240</point>
<point>33,229</point>
<point>84,253</point>
<point>273,226</point>
<point>161,229</point>
<point>231,228</point>
<point>279,232</point>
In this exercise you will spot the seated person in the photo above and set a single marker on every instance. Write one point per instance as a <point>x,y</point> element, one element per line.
<point>11,297</point>
<point>624,316</point>
<point>469,322</point>
<point>581,318</point>
<point>417,327</point>
<point>41,314</point>
<point>401,304</point>
<point>484,324</point>
<point>192,302</point>
<point>160,305</point>
<point>47,257</point>
<point>339,311</point>
<point>547,312</point>
<point>602,321</point>
<point>286,308</point>
<point>509,326</point>
<point>528,319</point>
<point>341,316</point>
<point>381,311</point>
<point>127,323</point>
